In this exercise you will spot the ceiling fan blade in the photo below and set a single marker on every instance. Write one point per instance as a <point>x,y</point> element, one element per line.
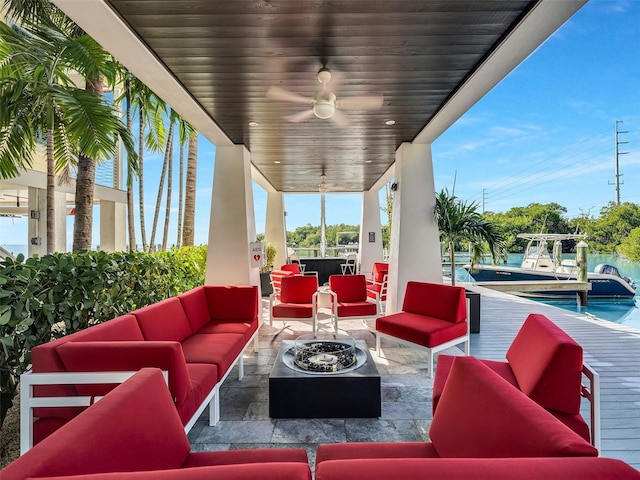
<point>300,116</point>
<point>341,119</point>
<point>278,93</point>
<point>360,103</point>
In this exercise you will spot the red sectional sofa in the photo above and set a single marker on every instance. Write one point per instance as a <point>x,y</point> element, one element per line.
<point>543,362</point>
<point>135,432</point>
<point>477,469</point>
<point>196,337</point>
<point>484,428</point>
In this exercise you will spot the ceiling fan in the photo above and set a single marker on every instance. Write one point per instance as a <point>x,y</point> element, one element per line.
<point>324,104</point>
<point>324,187</point>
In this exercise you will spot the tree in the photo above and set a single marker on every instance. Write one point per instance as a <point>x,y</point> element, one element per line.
<point>165,166</point>
<point>614,225</point>
<point>39,100</point>
<point>630,246</point>
<point>534,218</point>
<point>151,134</point>
<point>185,133</point>
<point>458,222</point>
<point>190,191</point>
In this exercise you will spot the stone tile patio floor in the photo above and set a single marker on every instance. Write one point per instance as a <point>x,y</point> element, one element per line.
<point>405,388</point>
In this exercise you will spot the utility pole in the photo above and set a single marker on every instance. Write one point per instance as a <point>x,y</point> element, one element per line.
<point>484,199</point>
<point>617,182</point>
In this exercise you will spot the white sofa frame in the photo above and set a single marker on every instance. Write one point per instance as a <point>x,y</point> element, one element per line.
<point>30,379</point>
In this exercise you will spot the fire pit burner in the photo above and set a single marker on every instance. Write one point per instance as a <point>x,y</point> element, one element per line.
<point>317,356</point>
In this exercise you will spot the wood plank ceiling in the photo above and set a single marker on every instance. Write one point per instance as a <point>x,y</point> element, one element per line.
<point>415,53</point>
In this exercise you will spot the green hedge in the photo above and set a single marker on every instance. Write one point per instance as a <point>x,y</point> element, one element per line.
<point>58,294</point>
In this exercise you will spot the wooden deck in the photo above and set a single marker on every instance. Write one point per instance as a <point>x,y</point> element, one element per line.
<point>612,350</point>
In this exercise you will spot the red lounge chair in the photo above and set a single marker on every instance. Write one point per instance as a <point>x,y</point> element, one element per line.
<point>433,317</point>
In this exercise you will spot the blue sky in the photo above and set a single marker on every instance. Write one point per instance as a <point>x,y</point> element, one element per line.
<point>544,134</point>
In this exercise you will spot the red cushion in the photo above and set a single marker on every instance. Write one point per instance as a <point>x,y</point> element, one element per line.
<point>421,330</point>
<point>291,267</point>
<point>482,415</point>
<point>443,368</point>
<point>43,427</point>
<point>134,427</point>
<point>574,422</point>
<point>341,451</point>
<point>548,364</point>
<point>380,269</point>
<point>435,300</point>
<point>125,356</point>
<point>164,320</point>
<point>237,302</point>
<point>257,455</point>
<point>216,326</point>
<point>298,289</point>
<point>357,309</point>
<point>203,378</point>
<point>477,469</point>
<point>290,310</point>
<point>44,358</point>
<point>220,349</point>
<point>268,471</point>
<point>373,287</point>
<point>196,308</point>
<point>349,288</point>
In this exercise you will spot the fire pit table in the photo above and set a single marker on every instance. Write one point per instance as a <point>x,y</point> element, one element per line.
<point>324,378</point>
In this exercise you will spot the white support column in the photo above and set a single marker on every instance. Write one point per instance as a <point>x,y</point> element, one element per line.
<point>61,221</point>
<point>232,224</point>
<point>37,228</point>
<point>370,232</point>
<point>415,245</point>
<point>113,225</point>
<point>274,230</point>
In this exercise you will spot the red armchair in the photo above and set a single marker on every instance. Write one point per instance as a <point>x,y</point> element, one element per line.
<point>377,284</point>
<point>297,300</point>
<point>547,365</point>
<point>433,317</point>
<point>297,269</point>
<point>349,298</point>
<point>480,416</point>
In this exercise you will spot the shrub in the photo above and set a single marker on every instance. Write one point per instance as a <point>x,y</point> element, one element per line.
<point>58,294</point>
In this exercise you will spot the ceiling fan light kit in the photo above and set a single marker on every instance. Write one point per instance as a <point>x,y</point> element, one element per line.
<point>324,107</point>
<point>324,104</point>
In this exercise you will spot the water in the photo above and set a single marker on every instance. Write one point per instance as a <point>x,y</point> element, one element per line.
<point>625,312</point>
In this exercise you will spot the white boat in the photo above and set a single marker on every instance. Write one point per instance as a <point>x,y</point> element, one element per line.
<point>539,265</point>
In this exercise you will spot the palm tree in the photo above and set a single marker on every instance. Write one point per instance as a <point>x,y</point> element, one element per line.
<point>131,231</point>
<point>190,191</point>
<point>165,165</point>
<point>185,131</point>
<point>151,134</point>
<point>459,221</point>
<point>39,100</point>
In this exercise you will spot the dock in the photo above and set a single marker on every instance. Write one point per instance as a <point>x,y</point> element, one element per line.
<point>582,288</point>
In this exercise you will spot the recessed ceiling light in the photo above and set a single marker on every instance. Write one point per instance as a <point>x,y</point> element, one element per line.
<point>368,161</point>
<point>253,124</point>
<point>390,122</point>
<point>276,161</point>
